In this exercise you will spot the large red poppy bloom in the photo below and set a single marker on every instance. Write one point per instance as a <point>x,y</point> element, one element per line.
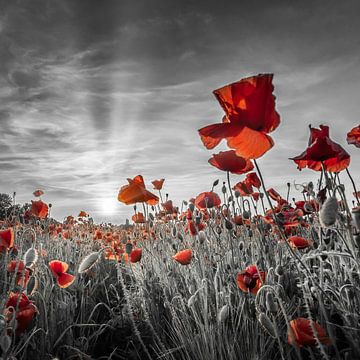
<point>229,161</point>
<point>250,115</point>
<point>300,333</point>
<point>250,280</point>
<point>25,310</point>
<point>322,150</point>
<point>207,199</point>
<point>59,268</point>
<point>39,209</point>
<point>353,136</point>
<point>135,255</point>
<point>136,192</point>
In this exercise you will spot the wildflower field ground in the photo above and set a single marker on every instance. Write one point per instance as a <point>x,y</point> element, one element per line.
<point>238,272</point>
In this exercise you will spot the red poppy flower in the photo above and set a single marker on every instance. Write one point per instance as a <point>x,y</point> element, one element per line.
<point>82,214</point>
<point>229,161</point>
<point>255,196</point>
<point>6,239</point>
<point>38,193</point>
<point>249,106</point>
<point>158,184</point>
<point>353,136</point>
<point>138,218</point>
<point>243,188</point>
<point>135,192</point>
<point>299,242</point>
<point>300,333</point>
<point>168,207</point>
<point>207,200</point>
<point>183,257</point>
<point>250,280</point>
<point>192,228</point>
<point>59,268</point>
<point>253,180</point>
<point>322,150</point>
<point>135,255</point>
<point>39,209</point>
<point>25,310</point>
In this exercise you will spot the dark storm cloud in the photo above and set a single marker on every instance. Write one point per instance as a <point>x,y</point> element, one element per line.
<point>92,92</point>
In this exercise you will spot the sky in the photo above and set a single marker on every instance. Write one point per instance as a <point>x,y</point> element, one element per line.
<point>96,91</point>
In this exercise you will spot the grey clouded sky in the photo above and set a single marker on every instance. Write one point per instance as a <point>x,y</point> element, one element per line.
<point>93,92</point>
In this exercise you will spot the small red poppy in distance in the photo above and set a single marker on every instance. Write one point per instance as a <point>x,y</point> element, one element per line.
<point>207,200</point>
<point>229,161</point>
<point>138,218</point>
<point>38,193</point>
<point>158,184</point>
<point>353,136</point>
<point>250,115</point>
<point>58,269</point>
<point>183,257</point>
<point>301,333</point>
<point>135,192</point>
<point>322,150</point>
<point>299,242</point>
<point>135,255</point>
<point>251,279</point>
<point>39,209</point>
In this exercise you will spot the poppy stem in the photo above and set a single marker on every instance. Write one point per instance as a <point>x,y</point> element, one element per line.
<point>354,186</point>
<point>231,193</point>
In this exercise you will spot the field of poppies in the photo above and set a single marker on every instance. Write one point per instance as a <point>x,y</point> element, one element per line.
<point>237,272</point>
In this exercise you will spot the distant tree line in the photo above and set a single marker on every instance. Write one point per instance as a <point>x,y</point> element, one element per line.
<point>9,210</point>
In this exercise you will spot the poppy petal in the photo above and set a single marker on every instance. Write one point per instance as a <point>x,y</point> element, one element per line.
<point>65,280</point>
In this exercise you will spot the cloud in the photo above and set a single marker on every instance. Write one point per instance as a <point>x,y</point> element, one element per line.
<point>94,92</point>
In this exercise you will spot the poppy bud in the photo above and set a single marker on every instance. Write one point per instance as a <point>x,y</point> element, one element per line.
<point>223,314</point>
<point>267,324</point>
<point>230,199</point>
<point>191,301</point>
<point>246,215</point>
<point>191,207</point>
<point>279,270</point>
<point>216,182</point>
<point>328,212</point>
<point>218,229</point>
<point>151,216</point>
<point>241,245</point>
<point>261,195</point>
<point>2,323</point>
<point>223,189</point>
<point>270,303</point>
<point>174,231</point>
<point>228,225</point>
<point>201,236</point>
<point>128,248</point>
<point>5,343</point>
<point>237,193</point>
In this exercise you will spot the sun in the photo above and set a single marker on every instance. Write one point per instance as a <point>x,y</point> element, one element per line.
<point>108,206</point>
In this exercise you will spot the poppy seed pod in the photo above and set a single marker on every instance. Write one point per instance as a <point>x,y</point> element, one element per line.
<point>328,212</point>
<point>5,343</point>
<point>308,207</point>
<point>128,248</point>
<point>191,207</point>
<point>223,314</point>
<point>30,257</point>
<point>237,193</point>
<point>201,236</point>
